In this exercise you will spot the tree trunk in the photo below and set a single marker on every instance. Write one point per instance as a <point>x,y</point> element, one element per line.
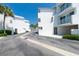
<point>4,23</point>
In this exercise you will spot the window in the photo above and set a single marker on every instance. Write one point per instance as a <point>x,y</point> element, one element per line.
<point>62,20</point>
<point>39,20</point>
<point>40,28</point>
<point>10,21</point>
<point>55,30</point>
<point>51,19</point>
<point>72,13</point>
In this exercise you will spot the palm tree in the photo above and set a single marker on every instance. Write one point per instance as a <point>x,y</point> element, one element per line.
<point>7,12</point>
<point>2,8</point>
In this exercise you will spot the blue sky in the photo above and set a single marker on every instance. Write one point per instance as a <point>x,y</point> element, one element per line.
<point>28,10</point>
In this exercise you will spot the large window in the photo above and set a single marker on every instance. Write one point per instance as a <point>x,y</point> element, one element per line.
<point>62,20</point>
<point>51,19</point>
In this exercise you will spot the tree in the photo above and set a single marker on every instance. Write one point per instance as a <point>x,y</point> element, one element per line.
<point>34,26</point>
<point>7,12</point>
<point>2,8</point>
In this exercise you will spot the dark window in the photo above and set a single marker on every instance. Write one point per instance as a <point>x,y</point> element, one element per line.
<point>51,19</point>
<point>40,28</point>
<point>72,13</point>
<point>62,20</point>
<point>55,30</point>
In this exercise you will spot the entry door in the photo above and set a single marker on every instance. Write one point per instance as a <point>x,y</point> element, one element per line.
<point>55,30</point>
<point>15,30</point>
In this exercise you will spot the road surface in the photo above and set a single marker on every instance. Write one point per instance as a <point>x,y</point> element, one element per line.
<point>29,44</point>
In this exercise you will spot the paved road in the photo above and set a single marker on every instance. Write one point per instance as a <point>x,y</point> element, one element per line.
<point>16,46</point>
<point>24,45</point>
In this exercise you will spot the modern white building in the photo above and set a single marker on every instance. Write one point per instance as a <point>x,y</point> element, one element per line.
<point>16,23</point>
<point>64,17</point>
<point>45,21</point>
<point>20,24</point>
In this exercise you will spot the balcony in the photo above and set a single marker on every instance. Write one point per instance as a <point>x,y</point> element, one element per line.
<point>66,11</point>
<point>64,6</point>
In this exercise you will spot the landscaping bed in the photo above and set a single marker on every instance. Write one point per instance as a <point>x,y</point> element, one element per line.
<point>7,32</point>
<point>71,37</point>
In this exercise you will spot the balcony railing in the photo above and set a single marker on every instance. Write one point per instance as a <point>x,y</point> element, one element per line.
<point>64,6</point>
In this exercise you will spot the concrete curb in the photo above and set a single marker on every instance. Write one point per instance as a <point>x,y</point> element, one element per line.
<point>2,37</point>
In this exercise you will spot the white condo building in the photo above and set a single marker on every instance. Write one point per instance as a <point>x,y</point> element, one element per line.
<point>64,17</point>
<point>45,21</point>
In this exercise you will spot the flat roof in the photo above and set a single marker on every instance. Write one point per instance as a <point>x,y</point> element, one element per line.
<point>45,9</point>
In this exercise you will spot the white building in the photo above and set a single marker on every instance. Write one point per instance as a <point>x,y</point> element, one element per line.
<point>21,25</point>
<point>15,23</point>
<point>64,17</point>
<point>8,22</point>
<point>45,21</point>
<point>1,21</point>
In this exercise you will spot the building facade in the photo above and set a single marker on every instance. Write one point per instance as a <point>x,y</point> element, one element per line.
<point>21,25</point>
<point>45,22</point>
<point>16,23</point>
<point>64,18</point>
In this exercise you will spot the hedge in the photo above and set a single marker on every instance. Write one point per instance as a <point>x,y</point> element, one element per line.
<point>8,32</point>
<point>71,37</point>
<point>3,34</point>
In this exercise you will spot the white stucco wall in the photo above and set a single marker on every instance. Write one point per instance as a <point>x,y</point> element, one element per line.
<point>75,17</point>
<point>75,31</point>
<point>21,26</point>
<point>1,21</point>
<point>45,23</point>
<point>9,22</point>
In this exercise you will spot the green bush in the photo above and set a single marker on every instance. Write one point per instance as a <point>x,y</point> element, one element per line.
<point>8,32</point>
<point>1,31</point>
<point>72,37</point>
<point>3,34</point>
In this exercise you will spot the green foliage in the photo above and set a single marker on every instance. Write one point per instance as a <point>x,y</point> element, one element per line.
<point>8,32</point>
<point>71,37</point>
<point>3,34</point>
<point>34,26</point>
<point>6,9</point>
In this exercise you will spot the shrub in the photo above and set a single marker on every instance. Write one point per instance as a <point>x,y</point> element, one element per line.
<point>3,34</point>
<point>8,32</point>
<point>72,37</point>
<point>1,31</point>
